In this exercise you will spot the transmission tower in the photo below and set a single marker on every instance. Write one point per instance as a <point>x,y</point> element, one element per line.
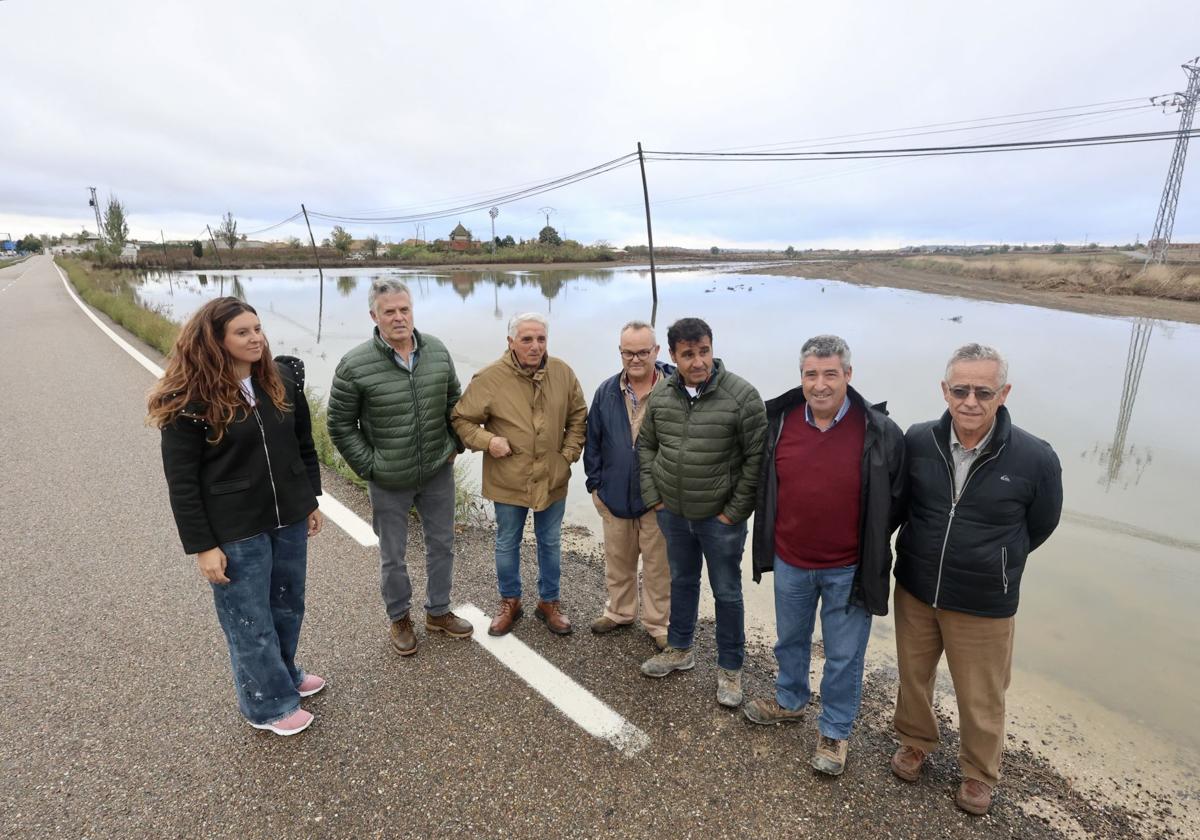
<point>1185,103</point>
<point>95,205</point>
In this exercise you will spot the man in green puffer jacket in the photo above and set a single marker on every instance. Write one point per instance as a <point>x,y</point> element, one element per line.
<point>389,416</point>
<point>699,449</point>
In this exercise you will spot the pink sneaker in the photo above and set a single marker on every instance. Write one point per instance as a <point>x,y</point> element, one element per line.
<point>297,721</point>
<point>310,685</point>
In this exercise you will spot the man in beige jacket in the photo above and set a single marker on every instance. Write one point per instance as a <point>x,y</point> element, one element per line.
<point>526,413</point>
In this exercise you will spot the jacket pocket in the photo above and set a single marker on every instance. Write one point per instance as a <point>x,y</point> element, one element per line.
<point>233,485</point>
<point>1004,567</point>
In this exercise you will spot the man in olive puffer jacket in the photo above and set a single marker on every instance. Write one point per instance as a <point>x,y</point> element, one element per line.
<point>699,449</point>
<point>389,416</point>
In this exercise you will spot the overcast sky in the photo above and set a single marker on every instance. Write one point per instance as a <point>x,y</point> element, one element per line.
<point>185,110</point>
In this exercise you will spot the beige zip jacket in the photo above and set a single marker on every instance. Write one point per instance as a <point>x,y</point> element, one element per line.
<point>543,416</point>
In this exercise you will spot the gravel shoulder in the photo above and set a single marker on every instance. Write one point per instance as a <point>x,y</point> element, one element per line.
<point>120,719</point>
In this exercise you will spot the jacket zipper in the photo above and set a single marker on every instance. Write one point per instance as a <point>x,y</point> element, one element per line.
<point>956,495</point>
<point>270,473</point>
<point>412,384</point>
<point>1004,566</point>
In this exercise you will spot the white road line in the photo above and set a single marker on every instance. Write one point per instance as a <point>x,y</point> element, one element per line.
<point>590,713</point>
<point>570,698</point>
<point>334,510</point>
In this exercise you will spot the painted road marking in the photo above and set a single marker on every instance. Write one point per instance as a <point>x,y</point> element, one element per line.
<point>590,713</point>
<point>566,695</point>
<point>334,510</point>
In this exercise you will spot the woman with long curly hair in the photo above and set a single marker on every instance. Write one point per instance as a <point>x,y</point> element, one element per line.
<point>242,472</point>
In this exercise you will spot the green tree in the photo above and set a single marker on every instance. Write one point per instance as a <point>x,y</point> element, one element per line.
<point>227,230</point>
<point>1058,248</point>
<point>197,248</point>
<point>789,251</point>
<point>371,243</point>
<point>293,242</point>
<point>29,242</point>
<point>549,236</point>
<point>116,226</point>
<point>714,250</point>
<point>340,239</point>
<point>508,242</point>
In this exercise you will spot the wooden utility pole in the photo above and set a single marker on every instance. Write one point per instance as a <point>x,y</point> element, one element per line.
<point>213,240</point>
<point>320,273</point>
<point>649,227</point>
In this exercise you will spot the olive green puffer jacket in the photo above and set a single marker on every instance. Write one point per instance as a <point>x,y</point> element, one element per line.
<point>392,426</point>
<point>700,457</point>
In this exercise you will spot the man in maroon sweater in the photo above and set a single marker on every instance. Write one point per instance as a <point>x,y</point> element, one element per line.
<point>830,493</point>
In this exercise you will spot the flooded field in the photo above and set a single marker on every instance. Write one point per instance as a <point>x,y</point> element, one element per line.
<point>1107,629</point>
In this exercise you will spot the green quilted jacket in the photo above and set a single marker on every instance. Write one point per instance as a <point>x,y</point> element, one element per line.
<point>701,457</point>
<point>392,426</point>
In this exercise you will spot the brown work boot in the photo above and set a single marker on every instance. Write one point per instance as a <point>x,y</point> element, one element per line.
<point>554,618</point>
<point>403,638</point>
<point>510,611</point>
<point>660,642</point>
<point>604,624</point>
<point>974,797</point>
<point>908,762</point>
<point>764,711</point>
<point>830,756</point>
<point>450,624</point>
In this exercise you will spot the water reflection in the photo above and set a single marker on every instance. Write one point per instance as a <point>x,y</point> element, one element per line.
<point>1111,584</point>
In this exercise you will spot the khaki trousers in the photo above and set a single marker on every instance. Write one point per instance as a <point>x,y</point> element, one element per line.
<point>624,540</point>
<point>979,653</point>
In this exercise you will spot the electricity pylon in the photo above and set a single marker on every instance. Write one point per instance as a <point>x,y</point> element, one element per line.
<point>1185,103</point>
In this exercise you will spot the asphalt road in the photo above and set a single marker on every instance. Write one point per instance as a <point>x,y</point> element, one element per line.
<point>119,718</point>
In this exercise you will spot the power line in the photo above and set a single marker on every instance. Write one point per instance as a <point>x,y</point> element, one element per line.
<point>919,151</point>
<point>1150,102</point>
<point>538,189</point>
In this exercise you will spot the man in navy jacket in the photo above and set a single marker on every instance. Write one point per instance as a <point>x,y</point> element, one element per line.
<point>983,494</point>
<point>610,461</point>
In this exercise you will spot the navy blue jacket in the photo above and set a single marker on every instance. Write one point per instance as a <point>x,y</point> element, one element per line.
<point>610,458</point>
<point>967,554</point>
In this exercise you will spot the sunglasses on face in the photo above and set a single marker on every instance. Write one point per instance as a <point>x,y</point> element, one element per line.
<point>982,392</point>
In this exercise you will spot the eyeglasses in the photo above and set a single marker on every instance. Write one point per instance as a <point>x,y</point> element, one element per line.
<point>982,392</point>
<point>640,355</point>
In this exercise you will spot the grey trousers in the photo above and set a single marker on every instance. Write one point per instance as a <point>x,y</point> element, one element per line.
<point>390,509</point>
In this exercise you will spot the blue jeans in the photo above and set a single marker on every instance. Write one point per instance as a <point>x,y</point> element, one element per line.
<point>260,610</point>
<point>547,527</point>
<point>845,629</point>
<point>691,542</point>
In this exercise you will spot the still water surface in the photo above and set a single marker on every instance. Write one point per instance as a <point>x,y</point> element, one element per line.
<point>1109,606</point>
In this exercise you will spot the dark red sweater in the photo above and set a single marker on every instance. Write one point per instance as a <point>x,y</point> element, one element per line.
<point>820,482</point>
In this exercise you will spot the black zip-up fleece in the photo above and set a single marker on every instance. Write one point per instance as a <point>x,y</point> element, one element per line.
<point>968,554</point>
<point>259,477</point>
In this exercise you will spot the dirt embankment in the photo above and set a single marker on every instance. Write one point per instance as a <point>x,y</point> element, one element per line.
<point>1031,289</point>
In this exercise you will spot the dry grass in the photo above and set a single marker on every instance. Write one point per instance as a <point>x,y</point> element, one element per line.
<point>1107,275</point>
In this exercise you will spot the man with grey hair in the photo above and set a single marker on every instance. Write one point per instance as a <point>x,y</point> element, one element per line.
<point>983,495</point>
<point>611,463</point>
<point>830,493</point>
<point>526,413</point>
<point>389,416</point>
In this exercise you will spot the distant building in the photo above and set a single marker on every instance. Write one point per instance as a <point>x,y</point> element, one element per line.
<point>461,239</point>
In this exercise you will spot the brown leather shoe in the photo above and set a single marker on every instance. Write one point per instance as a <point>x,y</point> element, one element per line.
<point>403,638</point>
<point>908,762</point>
<point>556,622</point>
<point>510,611</point>
<point>604,624</point>
<point>974,797</point>
<point>450,624</point>
<point>660,642</point>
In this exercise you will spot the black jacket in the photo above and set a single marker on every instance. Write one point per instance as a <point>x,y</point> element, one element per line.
<point>256,479</point>
<point>610,458</point>
<point>968,554</point>
<point>881,505</point>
